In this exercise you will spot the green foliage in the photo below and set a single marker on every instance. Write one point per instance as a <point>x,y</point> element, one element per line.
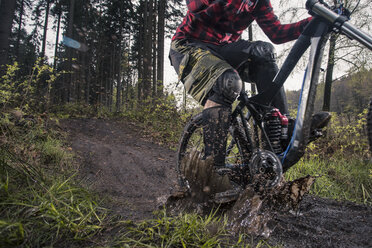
<point>80,110</point>
<point>160,118</point>
<point>40,205</point>
<point>27,92</point>
<point>346,137</point>
<point>184,230</point>
<point>343,179</point>
<point>341,159</point>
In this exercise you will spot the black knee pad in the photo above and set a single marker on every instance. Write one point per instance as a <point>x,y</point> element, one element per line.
<point>263,52</point>
<point>227,88</point>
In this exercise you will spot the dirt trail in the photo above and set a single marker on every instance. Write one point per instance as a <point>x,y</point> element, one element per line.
<point>120,164</point>
<point>135,174</point>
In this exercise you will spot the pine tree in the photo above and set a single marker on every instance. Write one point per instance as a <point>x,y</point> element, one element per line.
<point>7,8</point>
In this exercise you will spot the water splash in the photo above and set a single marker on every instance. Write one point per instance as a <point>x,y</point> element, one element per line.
<point>254,210</point>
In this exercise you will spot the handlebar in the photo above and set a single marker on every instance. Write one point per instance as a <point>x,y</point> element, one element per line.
<point>339,22</point>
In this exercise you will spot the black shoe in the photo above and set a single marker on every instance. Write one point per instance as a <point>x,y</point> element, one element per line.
<point>320,120</point>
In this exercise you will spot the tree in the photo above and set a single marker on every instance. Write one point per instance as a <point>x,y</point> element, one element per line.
<point>7,8</point>
<point>342,50</point>
<point>329,73</point>
<point>47,8</point>
<point>160,52</point>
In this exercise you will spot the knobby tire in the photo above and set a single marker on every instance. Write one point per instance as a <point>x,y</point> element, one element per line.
<point>238,147</point>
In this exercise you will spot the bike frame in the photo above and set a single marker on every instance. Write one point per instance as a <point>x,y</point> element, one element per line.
<point>314,36</point>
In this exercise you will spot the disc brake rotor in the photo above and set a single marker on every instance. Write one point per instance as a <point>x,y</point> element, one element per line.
<point>265,168</point>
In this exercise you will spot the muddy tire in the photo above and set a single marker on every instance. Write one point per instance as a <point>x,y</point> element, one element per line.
<point>237,149</point>
<point>369,125</point>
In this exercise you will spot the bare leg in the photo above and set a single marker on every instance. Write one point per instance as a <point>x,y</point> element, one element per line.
<point>209,104</point>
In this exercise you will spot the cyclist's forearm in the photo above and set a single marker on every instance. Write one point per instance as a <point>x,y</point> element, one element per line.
<point>278,33</point>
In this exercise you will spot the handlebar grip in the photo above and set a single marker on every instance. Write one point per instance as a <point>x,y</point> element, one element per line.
<point>350,31</point>
<point>339,22</point>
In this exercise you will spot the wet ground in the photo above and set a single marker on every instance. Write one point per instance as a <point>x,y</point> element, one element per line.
<point>135,175</point>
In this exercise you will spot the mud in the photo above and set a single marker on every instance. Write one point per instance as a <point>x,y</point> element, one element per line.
<point>135,176</point>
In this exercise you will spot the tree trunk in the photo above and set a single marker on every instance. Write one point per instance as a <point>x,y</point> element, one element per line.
<point>161,31</point>
<point>329,74</point>
<point>43,46</point>
<point>119,78</point>
<point>70,51</point>
<point>7,8</point>
<point>19,30</point>
<point>57,41</point>
<point>154,49</point>
<point>141,52</point>
<point>147,49</point>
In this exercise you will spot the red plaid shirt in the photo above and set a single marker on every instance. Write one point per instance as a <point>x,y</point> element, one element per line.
<point>221,21</point>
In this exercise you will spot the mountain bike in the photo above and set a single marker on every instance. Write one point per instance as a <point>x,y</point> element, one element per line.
<point>261,141</point>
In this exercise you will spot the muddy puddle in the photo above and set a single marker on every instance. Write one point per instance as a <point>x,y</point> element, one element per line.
<point>250,210</point>
<point>253,211</point>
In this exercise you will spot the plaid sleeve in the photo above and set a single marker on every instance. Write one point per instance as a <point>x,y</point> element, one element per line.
<point>209,11</point>
<point>278,33</point>
<point>196,5</point>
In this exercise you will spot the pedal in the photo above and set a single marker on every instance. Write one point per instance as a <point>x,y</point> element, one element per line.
<point>316,134</point>
<point>226,196</point>
<point>223,171</point>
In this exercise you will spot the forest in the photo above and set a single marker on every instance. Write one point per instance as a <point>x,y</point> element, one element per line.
<point>111,52</point>
<point>90,127</point>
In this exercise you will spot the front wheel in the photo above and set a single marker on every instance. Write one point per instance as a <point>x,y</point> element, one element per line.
<point>369,125</point>
<point>237,149</point>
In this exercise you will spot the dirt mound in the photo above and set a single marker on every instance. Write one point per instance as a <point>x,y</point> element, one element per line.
<point>136,174</point>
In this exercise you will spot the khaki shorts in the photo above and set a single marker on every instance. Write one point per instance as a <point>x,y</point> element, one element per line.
<point>197,67</point>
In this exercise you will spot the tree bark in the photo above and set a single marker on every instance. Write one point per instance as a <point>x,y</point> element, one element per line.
<point>147,49</point>
<point>154,49</point>
<point>19,29</point>
<point>160,64</point>
<point>70,51</point>
<point>43,46</point>
<point>329,74</point>
<point>7,8</point>
<point>57,40</point>
<point>119,67</point>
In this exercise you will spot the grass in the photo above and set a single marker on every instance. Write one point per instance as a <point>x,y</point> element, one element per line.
<point>185,230</point>
<point>339,179</point>
<point>42,205</point>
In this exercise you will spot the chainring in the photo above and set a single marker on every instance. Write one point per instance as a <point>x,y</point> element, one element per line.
<point>265,169</point>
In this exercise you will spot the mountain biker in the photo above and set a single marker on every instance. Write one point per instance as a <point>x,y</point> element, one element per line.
<point>211,60</point>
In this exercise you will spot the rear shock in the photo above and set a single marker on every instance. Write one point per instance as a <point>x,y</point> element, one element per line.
<point>276,129</point>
